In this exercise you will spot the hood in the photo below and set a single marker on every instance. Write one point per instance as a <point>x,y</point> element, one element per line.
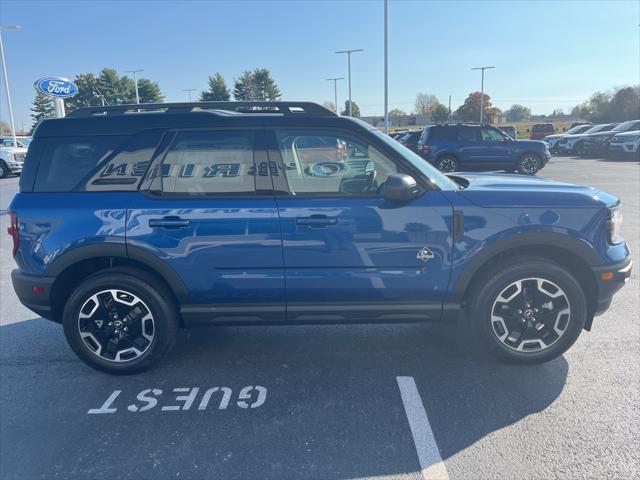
<point>510,190</point>
<point>13,149</point>
<point>632,133</point>
<point>553,137</point>
<point>531,143</point>
<point>609,133</point>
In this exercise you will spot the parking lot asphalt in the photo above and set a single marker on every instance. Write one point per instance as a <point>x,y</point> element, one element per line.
<point>323,402</point>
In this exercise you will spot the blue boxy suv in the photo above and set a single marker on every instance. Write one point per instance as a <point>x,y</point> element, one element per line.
<point>453,147</point>
<point>134,221</point>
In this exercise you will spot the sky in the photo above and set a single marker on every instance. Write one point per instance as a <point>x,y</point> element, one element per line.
<point>548,55</point>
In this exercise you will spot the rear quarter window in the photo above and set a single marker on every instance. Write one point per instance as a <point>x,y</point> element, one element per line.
<point>95,163</point>
<point>440,134</point>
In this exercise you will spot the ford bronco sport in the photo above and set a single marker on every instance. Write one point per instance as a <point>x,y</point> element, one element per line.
<point>133,221</point>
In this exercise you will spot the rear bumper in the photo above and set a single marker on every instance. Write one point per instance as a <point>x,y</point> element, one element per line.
<point>40,303</point>
<point>618,273</point>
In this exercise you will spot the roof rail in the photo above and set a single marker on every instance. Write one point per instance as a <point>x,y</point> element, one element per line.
<point>282,108</point>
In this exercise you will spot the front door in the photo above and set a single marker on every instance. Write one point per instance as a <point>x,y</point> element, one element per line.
<point>210,215</point>
<point>349,255</point>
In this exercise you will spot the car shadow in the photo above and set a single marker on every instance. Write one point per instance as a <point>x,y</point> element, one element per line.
<point>333,409</point>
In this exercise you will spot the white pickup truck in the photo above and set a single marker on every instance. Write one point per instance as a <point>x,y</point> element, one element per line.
<point>11,159</point>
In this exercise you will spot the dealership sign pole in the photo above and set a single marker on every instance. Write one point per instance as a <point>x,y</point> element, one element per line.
<point>57,88</point>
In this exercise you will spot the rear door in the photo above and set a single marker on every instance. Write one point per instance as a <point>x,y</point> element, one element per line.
<point>208,211</point>
<point>349,255</point>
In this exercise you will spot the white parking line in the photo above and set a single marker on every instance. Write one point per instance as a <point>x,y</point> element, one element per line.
<point>433,467</point>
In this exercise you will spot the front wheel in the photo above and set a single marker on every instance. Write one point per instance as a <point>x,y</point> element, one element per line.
<point>4,170</point>
<point>528,312</point>
<point>529,164</point>
<point>120,321</point>
<point>447,163</point>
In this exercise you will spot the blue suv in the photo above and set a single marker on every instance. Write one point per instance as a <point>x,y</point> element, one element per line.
<point>458,147</point>
<point>134,221</point>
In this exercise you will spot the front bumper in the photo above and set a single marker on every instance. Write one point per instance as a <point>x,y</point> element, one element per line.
<point>35,299</point>
<point>609,280</point>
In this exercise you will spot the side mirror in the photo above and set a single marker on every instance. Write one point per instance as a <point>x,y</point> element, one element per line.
<point>399,187</point>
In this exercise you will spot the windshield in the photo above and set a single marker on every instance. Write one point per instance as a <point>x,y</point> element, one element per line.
<point>577,129</point>
<point>598,128</point>
<point>433,174</point>
<point>623,127</point>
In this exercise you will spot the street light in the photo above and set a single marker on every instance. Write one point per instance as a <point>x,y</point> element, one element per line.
<point>349,52</point>
<point>6,81</point>
<point>482,90</point>
<point>386,69</point>
<point>135,80</point>
<point>189,90</point>
<point>335,91</point>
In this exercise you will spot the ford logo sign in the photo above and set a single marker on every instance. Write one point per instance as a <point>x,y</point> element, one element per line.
<point>56,87</point>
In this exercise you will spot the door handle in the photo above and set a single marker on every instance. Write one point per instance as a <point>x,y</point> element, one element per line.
<point>316,221</point>
<point>168,222</point>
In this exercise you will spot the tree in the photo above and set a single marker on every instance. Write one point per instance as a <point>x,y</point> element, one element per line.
<point>395,115</point>
<point>470,109</point>
<point>425,103</point>
<point>148,91</point>
<point>5,128</point>
<point>440,114</point>
<point>330,106</point>
<point>517,113</point>
<point>42,108</point>
<point>88,92</point>
<point>218,90</point>
<point>625,105</point>
<point>256,85</point>
<point>355,109</point>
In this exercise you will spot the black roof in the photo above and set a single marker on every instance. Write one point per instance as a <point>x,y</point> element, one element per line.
<point>129,119</point>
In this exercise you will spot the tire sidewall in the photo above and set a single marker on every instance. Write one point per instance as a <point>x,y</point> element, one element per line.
<point>163,311</point>
<point>486,295</point>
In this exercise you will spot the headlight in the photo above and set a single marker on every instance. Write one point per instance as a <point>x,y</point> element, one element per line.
<point>614,223</point>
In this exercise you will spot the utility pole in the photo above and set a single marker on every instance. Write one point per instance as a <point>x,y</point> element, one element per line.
<point>6,82</point>
<point>189,90</point>
<point>449,108</point>
<point>386,68</point>
<point>482,90</point>
<point>335,91</point>
<point>135,80</point>
<point>349,52</point>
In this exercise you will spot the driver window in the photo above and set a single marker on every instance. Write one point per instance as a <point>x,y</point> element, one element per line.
<point>323,162</point>
<point>490,135</point>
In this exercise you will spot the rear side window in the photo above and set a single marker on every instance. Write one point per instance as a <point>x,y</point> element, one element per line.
<point>67,160</point>
<point>467,134</point>
<point>443,134</point>
<point>211,163</point>
<point>94,164</point>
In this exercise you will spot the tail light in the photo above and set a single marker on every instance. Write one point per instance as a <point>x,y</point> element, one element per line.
<point>14,231</point>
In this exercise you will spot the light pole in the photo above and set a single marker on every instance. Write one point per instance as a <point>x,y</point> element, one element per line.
<point>335,91</point>
<point>349,52</point>
<point>6,82</point>
<point>386,70</point>
<point>189,90</point>
<point>482,90</point>
<point>135,80</point>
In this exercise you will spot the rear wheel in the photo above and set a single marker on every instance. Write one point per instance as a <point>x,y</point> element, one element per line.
<point>529,312</point>
<point>120,321</point>
<point>447,163</point>
<point>529,164</point>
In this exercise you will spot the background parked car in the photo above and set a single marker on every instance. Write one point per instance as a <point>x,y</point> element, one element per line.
<point>577,124</point>
<point>22,141</point>
<point>541,130</point>
<point>509,130</point>
<point>553,140</point>
<point>625,145</point>
<point>11,160</point>
<point>572,144</point>
<point>480,147</point>
<point>410,140</point>
<point>598,143</point>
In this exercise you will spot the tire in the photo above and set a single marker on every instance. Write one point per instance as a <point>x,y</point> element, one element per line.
<point>4,170</point>
<point>447,163</point>
<point>147,316</point>
<point>529,164</point>
<point>567,312</point>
